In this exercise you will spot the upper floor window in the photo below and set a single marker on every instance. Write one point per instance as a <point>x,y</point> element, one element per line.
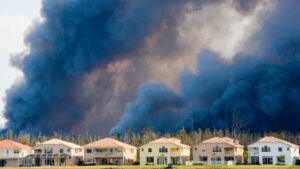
<point>142,149</point>
<point>16,151</point>
<point>149,150</point>
<point>195,148</point>
<point>203,149</point>
<point>48,150</point>
<point>265,149</point>
<point>88,150</point>
<point>217,149</point>
<point>69,150</point>
<point>288,149</point>
<point>61,150</point>
<point>279,149</point>
<point>163,149</point>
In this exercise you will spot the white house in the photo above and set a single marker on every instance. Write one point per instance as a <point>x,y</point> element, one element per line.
<point>12,153</point>
<point>272,151</point>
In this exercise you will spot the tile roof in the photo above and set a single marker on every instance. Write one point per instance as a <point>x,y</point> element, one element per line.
<point>271,139</point>
<point>56,141</point>
<point>169,140</point>
<point>108,142</point>
<point>12,144</point>
<point>226,140</point>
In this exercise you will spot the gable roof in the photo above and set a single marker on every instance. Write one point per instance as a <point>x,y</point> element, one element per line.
<point>56,141</point>
<point>11,144</point>
<point>226,140</point>
<point>108,142</point>
<point>163,140</point>
<point>271,139</point>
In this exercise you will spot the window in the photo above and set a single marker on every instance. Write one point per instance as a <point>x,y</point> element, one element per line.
<point>203,149</point>
<point>265,149</point>
<point>48,150</point>
<point>195,148</point>
<point>16,151</point>
<point>203,158</point>
<point>61,150</point>
<point>216,160</point>
<point>163,149</point>
<point>142,149</point>
<point>217,149</point>
<point>162,161</point>
<point>149,150</point>
<point>49,161</point>
<point>267,160</point>
<point>88,150</point>
<point>280,149</point>
<point>69,150</point>
<point>281,159</point>
<point>288,149</point>
<point>7,152</point>
<point>150,160</point>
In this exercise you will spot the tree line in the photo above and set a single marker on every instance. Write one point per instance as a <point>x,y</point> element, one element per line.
<point>147,134</point>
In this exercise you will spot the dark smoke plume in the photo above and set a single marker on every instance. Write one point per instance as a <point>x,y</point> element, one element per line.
<point>75,39</point>
<point>258,92</point>
<point>86,59</point>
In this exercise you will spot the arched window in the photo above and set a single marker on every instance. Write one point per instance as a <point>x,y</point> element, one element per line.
<point>265,149</point>
<point>217,149</point>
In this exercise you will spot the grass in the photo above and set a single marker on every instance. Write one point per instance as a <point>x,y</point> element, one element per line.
<point>164,167</point>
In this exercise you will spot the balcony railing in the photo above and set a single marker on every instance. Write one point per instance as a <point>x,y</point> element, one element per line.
<point>106,154</point>
<point>229,153</point>
<point>253,153</point>
<point>179,154</point>
<point>5,156</point>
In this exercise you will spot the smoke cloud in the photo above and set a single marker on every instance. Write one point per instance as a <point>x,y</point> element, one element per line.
<point>86,60</point>
<point>257,92</point>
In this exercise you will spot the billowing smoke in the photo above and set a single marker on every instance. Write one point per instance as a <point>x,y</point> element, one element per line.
<point>258,92</point>
<point>86,59</point>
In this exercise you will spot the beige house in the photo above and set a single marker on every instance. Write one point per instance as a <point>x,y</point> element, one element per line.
<point>55,152</point>
<point>109,151</point>
<point>218,150</point>
<point>12,153</point>
<point>164,151</point>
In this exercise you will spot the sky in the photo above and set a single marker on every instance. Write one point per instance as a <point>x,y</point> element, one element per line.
<point>15,18</point>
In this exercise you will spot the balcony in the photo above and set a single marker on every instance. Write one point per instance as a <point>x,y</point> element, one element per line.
<point>229,153</point>
<point>108,154</point>
<point>10,156</point>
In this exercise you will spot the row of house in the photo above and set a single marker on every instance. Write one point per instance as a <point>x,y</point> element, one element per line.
<point>162,151</point>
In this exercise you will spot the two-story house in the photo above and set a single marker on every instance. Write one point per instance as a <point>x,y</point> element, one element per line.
<point>271,151</point>
<point>218,150</point>
<point>12,153</point>
<point>164,151</point>
<point>55,152</point>
<point>108,151</point>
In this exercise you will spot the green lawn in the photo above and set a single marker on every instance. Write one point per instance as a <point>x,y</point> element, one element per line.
<point>162,167</point>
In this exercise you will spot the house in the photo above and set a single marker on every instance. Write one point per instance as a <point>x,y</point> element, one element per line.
<point>271,150</point>
<point>218,150</point>
<point>55,152</point>
<point>109,151</point>
<point>164,151</point>
<point>12,153</point>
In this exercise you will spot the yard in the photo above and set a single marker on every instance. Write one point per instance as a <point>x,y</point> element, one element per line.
<point>162,167</point>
